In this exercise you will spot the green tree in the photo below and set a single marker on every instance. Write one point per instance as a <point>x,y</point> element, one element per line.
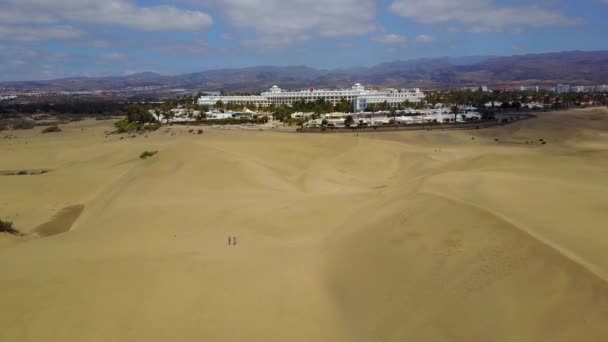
<point>343,106</point>
<point>348,121</point>
<point>219,105</point>
<point>394,116</point>
<point>165,110</point>
<point>454,111</point>
<point>137,113</point>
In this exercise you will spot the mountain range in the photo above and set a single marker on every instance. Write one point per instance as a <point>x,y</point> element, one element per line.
<point>575,67</point>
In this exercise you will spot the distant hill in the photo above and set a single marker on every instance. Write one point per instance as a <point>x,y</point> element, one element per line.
<point>565,66</point>
<point>549,68</point>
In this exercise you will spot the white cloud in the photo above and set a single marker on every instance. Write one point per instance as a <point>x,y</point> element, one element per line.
<point>479,15</point>
<point>10,15</point>
<point>116,12</point>
<point>274,42</point>
<point>282,22</point>
<point>424,38</point>
<point>37,33</point>
<point>114,57</point>
<point>390,38</point>
<point>196,47</point>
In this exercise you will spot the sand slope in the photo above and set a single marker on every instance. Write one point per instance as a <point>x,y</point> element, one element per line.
<point>412,236</point>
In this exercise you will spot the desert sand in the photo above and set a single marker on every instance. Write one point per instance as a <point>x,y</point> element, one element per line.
<point>404,236</point>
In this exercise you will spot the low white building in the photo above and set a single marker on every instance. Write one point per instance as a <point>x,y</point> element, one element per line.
<point>219,115</point>
<point>215,115</point>
<point>301,115</point>
<point>529,88</point>
<point>484,89</point>
<point>179,114</point>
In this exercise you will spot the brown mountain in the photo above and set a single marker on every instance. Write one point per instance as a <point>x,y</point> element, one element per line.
<point>572,67</point>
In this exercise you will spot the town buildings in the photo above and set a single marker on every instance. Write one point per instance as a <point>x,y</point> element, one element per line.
<point>482,88</point>
<point>530,88</point>
<point>7,97</point>
<point>563,88</point>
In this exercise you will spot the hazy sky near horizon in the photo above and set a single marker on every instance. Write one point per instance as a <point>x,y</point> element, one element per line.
<point>42,39</point>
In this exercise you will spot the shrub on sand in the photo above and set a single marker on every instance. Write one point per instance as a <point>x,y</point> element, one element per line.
<point>7,227</point>
<point>51,129</point>
<point>23,124</point>
<point>147,154</point>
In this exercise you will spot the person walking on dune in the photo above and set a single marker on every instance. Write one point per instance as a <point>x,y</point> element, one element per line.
<point>229,241</point>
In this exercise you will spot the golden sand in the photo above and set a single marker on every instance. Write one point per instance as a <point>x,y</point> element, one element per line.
<point>405,236</point>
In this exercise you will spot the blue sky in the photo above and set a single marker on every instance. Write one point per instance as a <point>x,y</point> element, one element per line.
<point>61,38</point>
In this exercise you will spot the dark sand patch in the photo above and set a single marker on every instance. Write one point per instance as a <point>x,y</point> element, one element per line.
<point>61,222</point>
<point>26,172</point>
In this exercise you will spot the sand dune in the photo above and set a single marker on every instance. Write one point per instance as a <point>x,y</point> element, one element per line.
<point>410,236</point>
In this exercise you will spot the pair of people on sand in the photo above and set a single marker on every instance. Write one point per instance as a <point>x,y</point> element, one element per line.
<point>232,240</point>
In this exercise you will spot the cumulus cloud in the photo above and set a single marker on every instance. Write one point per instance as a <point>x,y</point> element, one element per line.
<point>195,47</point>
<point>424,38</point>
<point>37,33</point>
<point>274,42</point>
<point>280,22</point>
<point>390,38</point>
<point>10,15</point>
<point>479,15</point>
<point>115,12</point>
<point>114,57</point>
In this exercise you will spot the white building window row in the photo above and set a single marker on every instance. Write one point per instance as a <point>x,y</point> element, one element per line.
<point>358,95</point>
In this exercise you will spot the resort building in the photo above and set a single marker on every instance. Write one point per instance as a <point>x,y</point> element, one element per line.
<point>357,95</point>
<point>251,100</point>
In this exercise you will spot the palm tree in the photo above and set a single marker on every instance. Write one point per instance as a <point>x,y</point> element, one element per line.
<point>219,105</point>
<point>165,110</point>
<point>348,121</point>
<point>455,112</point>
<point>394,115</point>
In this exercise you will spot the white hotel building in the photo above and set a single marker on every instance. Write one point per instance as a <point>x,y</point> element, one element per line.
<point>357,95</point>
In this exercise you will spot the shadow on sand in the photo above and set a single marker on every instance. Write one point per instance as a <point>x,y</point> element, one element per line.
<point>61,222</point>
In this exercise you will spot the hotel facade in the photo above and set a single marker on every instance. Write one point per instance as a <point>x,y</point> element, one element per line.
<point>357,95</point>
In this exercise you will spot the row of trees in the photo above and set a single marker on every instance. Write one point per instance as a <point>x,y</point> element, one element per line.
<point>479,98</point>
<point>71,108</point>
